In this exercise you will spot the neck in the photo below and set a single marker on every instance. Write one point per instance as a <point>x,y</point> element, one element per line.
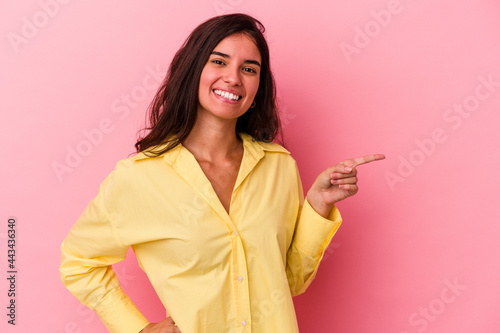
<point>213,141</point>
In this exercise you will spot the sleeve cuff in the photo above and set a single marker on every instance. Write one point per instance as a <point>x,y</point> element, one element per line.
<point>119,314</point>
<point>314,232</point>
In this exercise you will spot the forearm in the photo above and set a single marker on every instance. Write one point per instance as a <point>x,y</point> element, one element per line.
<point>93,282</point>
<point>312,235</point>
<point>87,255</point>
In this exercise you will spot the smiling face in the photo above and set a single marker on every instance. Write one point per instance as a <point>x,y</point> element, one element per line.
<point>230,79</point>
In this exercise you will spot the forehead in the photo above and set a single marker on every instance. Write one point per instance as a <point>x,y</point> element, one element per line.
<point>239,44</point>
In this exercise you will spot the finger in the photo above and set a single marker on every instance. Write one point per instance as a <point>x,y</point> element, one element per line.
<point>351,188</point>
<point>354,162</point>
<point>348,180</point>
<point>342,171</point>
<point>344,174</point>
<point>170,320</point>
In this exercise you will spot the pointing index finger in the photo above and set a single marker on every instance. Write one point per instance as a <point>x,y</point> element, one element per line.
<point>365,159</point>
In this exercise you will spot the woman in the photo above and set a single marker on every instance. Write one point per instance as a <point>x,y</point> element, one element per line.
<point>213,209</point>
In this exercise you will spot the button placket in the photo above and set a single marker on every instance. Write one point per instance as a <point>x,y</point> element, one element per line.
<point>242,294</point>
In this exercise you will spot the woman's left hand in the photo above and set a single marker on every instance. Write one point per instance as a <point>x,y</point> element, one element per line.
<point>337,183</point>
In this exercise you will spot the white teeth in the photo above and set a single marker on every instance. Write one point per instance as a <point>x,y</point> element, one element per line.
<point>227,95</point>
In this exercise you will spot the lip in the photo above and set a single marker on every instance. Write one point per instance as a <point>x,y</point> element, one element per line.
<point>229,90</point>
<point>234,92</point>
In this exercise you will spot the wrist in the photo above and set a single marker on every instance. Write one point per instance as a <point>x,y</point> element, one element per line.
<point>318,205</point>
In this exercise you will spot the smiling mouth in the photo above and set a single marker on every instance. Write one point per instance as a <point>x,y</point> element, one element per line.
<point>227,95</point>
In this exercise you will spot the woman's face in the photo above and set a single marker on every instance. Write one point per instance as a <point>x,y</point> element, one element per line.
<point>230,79</point>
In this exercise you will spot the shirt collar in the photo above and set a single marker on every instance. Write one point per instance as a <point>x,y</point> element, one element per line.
<point>185,165</point>
<point>252,146</point>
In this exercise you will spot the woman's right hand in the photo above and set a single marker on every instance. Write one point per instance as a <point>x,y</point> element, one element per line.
<point>165,326</point>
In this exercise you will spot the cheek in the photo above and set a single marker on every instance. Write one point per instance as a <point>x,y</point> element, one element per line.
<point>207,77</point>
<point>251,84</point>
<point>255,87</point>
<point>203,83</point>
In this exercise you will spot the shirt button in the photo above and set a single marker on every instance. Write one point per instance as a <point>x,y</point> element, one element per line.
<point>240,278</point>
<point>235,233</point>
<point>243,323</point>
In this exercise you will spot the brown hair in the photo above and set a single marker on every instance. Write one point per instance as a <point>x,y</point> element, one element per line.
<point>173,111</point>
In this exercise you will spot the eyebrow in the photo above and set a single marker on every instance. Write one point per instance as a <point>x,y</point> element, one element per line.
<point>248,61</point>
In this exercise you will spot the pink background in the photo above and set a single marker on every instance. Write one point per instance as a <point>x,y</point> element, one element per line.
<point>419,246</point>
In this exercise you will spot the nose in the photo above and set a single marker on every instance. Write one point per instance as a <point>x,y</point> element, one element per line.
<point>232,76</point>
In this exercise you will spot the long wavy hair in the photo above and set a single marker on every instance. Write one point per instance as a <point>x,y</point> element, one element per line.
<point>173,110</point>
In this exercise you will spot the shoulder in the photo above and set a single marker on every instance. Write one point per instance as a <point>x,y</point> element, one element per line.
<point>279,156</point>
<point>134,170</point>
<point>139,160</point>
<point>273,147</point>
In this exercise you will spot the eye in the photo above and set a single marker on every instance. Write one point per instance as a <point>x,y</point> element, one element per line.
<point>218,62</point>
<point>250,70</point>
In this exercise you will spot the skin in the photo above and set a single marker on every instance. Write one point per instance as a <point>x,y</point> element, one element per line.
<point>216,147</point>
<point>235,67</point>
<point>165,326</point>
<point>337,183</point>
<point>213,138</point>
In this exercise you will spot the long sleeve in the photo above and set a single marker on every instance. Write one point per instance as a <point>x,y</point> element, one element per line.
<point>312,236</point>
<point>87,254</point>
<point>213,271</point>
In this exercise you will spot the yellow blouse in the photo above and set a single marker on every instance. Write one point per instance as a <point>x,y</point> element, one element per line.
<point>214,272</point>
